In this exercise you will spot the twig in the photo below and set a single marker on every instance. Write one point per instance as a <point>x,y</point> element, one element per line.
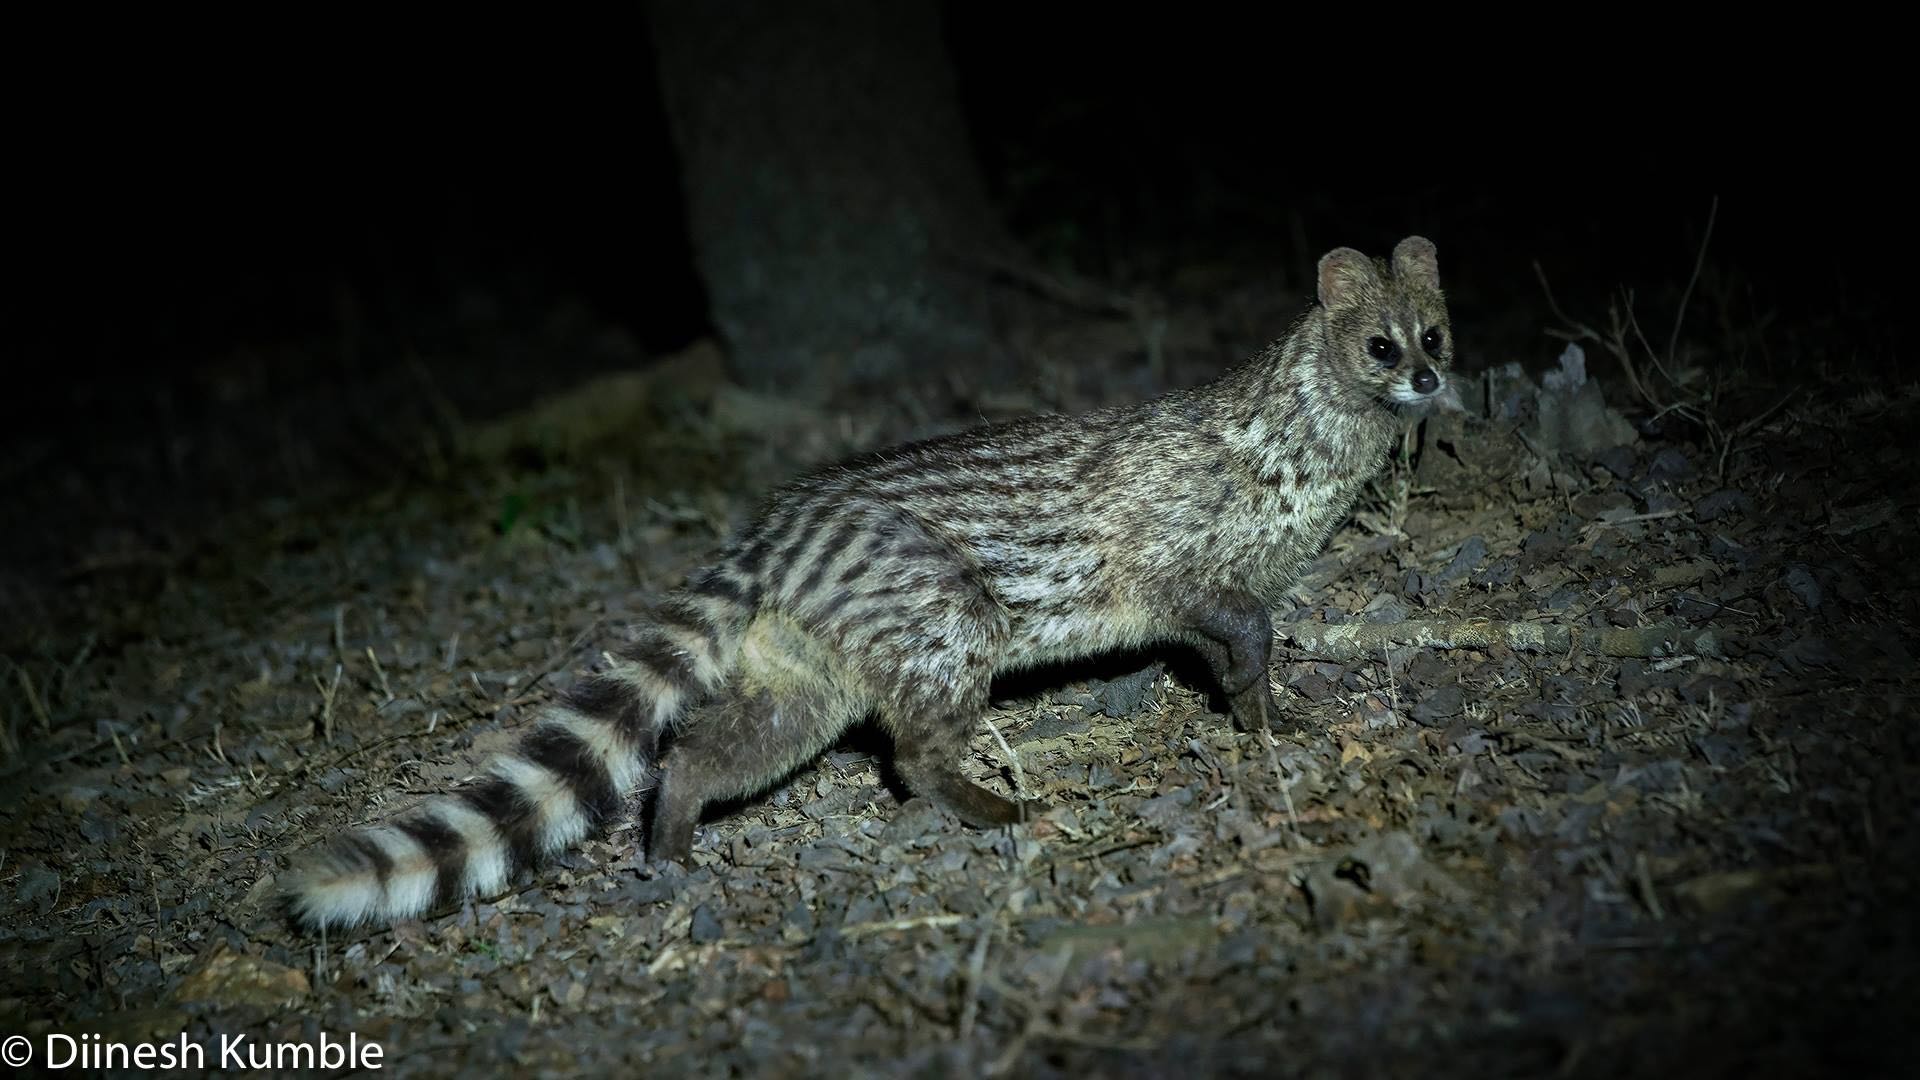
<point>1354,641</point>
<point>1286,796</point>
<point>1747,427</point>
<point>33,699</point>
<point>1644,877</point>
<point>1632,519</point>
<point>917,922</point>
<point>1616,344</point>
<point>380,673</point>
<point>976,965</point>
<point>1699,260</point>
<point>66,673</point>
<point>1013,760</point>
<point>1685,408</point>
<point>1096,853</point>
<point>327,693</point>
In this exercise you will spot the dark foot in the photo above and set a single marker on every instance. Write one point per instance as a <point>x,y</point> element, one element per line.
<point>676,810</point>
<point>1255,709</point>
<point>931,774</point>
<point>1234,635</point>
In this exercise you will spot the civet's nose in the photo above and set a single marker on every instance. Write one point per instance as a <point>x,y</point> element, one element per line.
<point>1425,381</point>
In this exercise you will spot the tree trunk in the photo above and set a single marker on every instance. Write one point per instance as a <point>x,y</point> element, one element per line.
<point>835,208</point>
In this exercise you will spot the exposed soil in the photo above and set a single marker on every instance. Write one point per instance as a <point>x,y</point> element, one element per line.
<point>1673,836</point>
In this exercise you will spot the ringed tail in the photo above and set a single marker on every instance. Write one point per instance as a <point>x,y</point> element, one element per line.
<point>568,777</point>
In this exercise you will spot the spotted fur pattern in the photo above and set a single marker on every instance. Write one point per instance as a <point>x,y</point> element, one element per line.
<point>897,585</point>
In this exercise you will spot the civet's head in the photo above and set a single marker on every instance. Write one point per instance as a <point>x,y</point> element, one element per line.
<point>1387,323</point>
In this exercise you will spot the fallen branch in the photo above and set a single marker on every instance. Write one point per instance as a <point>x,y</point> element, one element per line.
<point>1352,641</point>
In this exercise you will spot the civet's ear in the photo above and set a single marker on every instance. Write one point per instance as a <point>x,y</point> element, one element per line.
<point>1344,272</point>
<point>1414,259</point>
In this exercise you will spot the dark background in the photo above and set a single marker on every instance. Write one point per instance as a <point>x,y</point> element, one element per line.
<point>184,214</point>
<point>332,224</point>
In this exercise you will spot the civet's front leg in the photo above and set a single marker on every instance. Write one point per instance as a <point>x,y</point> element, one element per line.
<point>1234,634</point>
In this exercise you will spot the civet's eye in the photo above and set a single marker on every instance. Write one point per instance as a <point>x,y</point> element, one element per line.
<point>1433,340</point>
<point>1383,350</point>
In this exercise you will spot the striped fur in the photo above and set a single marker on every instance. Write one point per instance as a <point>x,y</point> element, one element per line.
<point>898,584</point>
<point>568,776</point>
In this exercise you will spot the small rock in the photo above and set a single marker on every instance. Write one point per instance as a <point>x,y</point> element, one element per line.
<point>334,780</point>
<point>916,819</point>
<point>1163,809</point>
<point>832,803</point>
<point>1572,414</point>
<point>1519,823</point>
<point>1809,652</point>
<point>1472,552</point>
<point>1514,391</point>
<point>705,926</point>
<point>1373,877</point>
<point>1437,706</point>
<point>1667,775</point>
<point>1670,465</point>
<point>232,979</point>
<point>1804,586</point>
<point>37,883</point>
<point>76,799</point>
<point>1722,503</point>
<point>1617,460</point>
<point>1709,688</point>
<point>1725,550</point>
<point>98,828</point>
<point>1693,607</point>
<point>1603,505</point>
<point>1542,544</point>
<point>1385,608</point>
<point>652,890</point>
<point>1497,573</point>
<point>1661,502</point>
<point>1122,697</point>
<point>1053,725</point>
<point>1720,751</point>
<point>1313,686</point>
<point>1636,678</point>
<point>821,855</point>
<point>797,924</point>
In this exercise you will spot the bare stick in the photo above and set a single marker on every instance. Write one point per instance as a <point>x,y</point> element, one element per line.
<point>1699,260</point>
<point>1013,759</point>
<point>327,693</point>
<point>1615,343</point>
<point>340,632</point>
<point>1354,641</point>
<point>381,673</point>
<point>917,922</point>
<point>33,698</point>
<point>976,965</point>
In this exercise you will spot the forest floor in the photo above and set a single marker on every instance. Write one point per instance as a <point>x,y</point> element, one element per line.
<point>1604,765</point>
